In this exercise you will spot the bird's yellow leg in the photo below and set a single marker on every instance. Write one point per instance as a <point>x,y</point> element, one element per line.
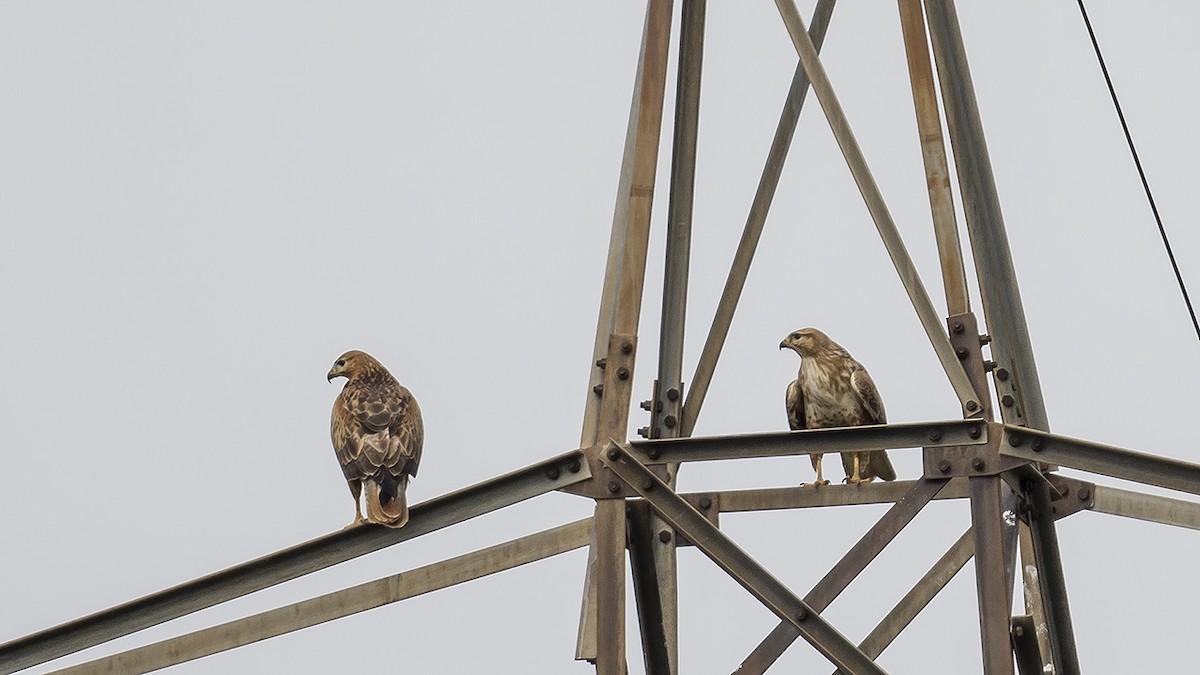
<point>816,462</point>
<point>854,478</point>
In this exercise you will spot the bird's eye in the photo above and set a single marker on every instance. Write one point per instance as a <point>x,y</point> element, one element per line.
<point>795,336</point>
<point>341,363</point>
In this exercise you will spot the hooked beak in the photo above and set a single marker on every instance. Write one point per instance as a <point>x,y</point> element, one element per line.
<point>782,345</point>
<point>329,377</point>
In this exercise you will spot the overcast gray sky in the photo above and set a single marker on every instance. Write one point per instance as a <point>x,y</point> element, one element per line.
<point>204,203</point>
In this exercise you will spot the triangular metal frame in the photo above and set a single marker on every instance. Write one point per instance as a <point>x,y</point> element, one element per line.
<point>1005,469</point>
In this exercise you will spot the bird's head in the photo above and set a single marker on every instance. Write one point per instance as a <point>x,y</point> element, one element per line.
<point>350,364</point>
<point>805,342</point>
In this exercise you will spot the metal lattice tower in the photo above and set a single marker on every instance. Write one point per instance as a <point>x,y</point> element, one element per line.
<point>1006,469</point>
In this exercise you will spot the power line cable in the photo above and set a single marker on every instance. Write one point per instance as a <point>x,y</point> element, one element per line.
<point>1138,162</point>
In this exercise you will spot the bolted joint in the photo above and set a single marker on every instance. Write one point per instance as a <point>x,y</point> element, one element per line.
<point>602,363</point>
<point>944,466</point>
<point>985,339</point>
<point>645,405</point>
<point>672,394</point>
<point>972,406</point>
<point>706,503</point>
<point>613,453</point>
<point>614,487</point>
<point>1002,374</point>
<point>552,472</point>
<point>627,347</point>
<point>644,432</point>
<point>977,464</point>
<point>962,353</point>
<point>664,536</point>
<point>935,435</point>
<point>599,389</point>
<point>669,421</point>
<point>1008,401</point>
<point>622,373</point>
<point>958,327</point>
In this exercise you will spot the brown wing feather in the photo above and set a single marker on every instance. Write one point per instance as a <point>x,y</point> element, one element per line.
<point>877,463</point>
<point>867,395</point>
<point>795,405</point>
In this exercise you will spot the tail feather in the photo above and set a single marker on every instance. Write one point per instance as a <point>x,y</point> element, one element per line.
<point>384,511</point>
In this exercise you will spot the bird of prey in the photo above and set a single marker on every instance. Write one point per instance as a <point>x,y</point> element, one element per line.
<point>834,390</point>
<point>377,434</point>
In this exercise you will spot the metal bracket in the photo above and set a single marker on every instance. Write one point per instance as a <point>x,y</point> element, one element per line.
<point>969,460</point>
<point>968,347</point>
<point>615,394</point>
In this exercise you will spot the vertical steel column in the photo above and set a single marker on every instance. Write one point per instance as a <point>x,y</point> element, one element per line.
<point>609,576</point>
<point>606,415</point>
<point>933,152</point>
<point>1002,306</point>
<point>757,218</point>
<point>1016,370</point>
<point>990,569</point>
<point>655,578</point>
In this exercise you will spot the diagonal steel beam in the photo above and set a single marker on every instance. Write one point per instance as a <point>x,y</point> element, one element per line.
<point>290,563</point>
<point>846,570</point>
<point>945,569</point>
<point>837,439</point>
<point>346,602</point>
<point>892,241</point>
<point>737,563</point>
<point>1140,467</point>
<point>757,218</point>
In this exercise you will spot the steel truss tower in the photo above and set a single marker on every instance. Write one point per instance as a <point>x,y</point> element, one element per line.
<point>1005,468</point>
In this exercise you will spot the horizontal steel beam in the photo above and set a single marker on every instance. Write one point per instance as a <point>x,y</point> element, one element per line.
<point>769,499</point>
<point>812,441</point>
<point>1141,506</point>
<point>737,563</point>
<point>342,603</point>
<point>1140,467</point>
<point>290,563</point>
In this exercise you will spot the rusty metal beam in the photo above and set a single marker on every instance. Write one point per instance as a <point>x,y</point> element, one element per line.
<point>625,273</point>
<point>992,588</point>
<point>1139,467</point>
<point>1051,580</point>
<point>757,218</point>
<point>892,241</point>
<point>846,570</point>
<point>290,563</point>
<point>933,153</point>
<point>1146,507</point>
<point>786,443</point>
<point>768,499</point>
<point>339,604</point>
<point>737,563</point>
<point>997,276</point>
<point>609,575</point>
